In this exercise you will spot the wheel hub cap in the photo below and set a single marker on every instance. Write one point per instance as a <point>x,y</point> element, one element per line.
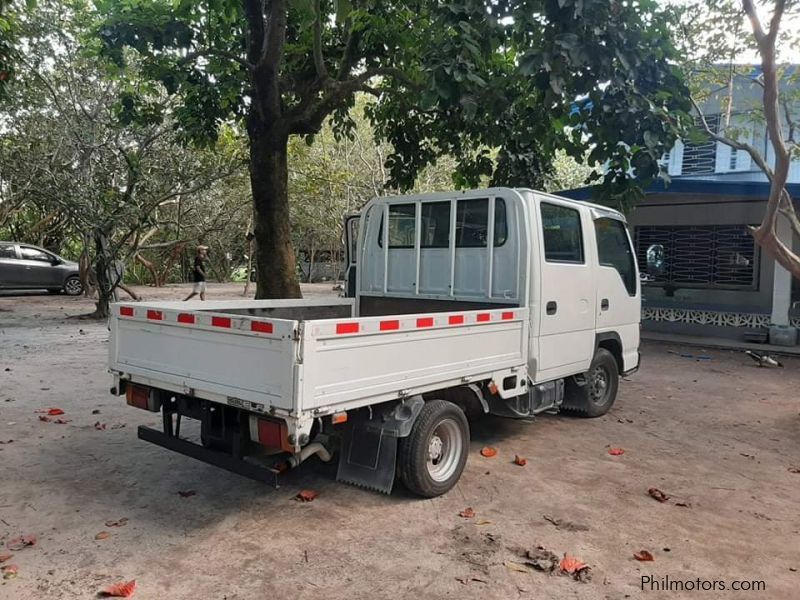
<point>435,448</point>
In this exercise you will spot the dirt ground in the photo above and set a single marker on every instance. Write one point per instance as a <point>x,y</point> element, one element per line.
<point>721,437</point>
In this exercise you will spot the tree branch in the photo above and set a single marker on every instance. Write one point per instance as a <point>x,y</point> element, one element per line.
<point>319,61</point>
<point>206,52</point>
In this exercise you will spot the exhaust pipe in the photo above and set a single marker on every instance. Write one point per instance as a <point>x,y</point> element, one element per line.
<point>309,451</point>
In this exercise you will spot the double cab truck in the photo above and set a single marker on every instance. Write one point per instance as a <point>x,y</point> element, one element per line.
<point>504,301</point>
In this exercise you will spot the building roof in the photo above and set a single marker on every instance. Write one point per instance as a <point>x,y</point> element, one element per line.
<point>718,186</point>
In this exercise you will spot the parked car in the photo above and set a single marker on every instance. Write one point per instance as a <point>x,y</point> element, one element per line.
<point>23,266</point>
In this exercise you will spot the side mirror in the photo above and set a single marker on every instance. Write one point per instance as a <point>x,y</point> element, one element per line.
<point>656,262</point>
<point>55,261</point>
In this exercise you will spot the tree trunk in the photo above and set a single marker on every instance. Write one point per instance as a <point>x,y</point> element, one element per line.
<point>105,288</point>
<point>276,268</point>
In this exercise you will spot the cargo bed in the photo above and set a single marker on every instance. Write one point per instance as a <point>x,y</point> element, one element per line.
<point>301,359</point>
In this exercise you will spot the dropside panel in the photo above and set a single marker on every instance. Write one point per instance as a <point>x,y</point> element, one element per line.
<point>350,363</point>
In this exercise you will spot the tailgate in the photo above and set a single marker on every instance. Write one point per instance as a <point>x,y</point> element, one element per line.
<point>204,353</point>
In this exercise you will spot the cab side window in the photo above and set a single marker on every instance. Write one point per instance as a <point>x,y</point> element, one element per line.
<point>563,237</point>
<point>614,250</point>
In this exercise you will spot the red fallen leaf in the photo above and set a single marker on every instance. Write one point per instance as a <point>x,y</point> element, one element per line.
<point>616,451</point>
<point>186,493</point>
<point>100,426</point>
<point>43,418</point>
<point>120,590</point>
<point>657,494</point>
<point>488,451</point>
<point>643,555</point>
<point>570,564</point>
<point>518,460</point>
<point>9,571</point>
<point>54,412</point>
<point>5,557</point>
<point>102,535</point>
<point>119,523</point>
<point>23,541</point>
<point>306,495</point>
<point>467,513</point>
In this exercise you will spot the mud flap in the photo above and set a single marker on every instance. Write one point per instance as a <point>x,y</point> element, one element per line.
<point>368,458</point>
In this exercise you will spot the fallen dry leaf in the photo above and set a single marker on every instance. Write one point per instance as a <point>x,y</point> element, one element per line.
<point>9,571</point>
<point>306,495</point>
<point>519,460</point>
<point>119,523</point>
<point>643,555</point>
<point>484,522</point>
<point>23,541</point>
<point>44,418</point>
<point>120,590</point>
<point>54,412</point>
<point>186,493</point>
<point>102,535</point>
<point>5,557</point>
<point>100,426</point>
<point>791,469</point>
<point>571,565</point>
<point>683,504</point>
<point>542,559</point>
<point>62,421</point>
<point>488,451</point>
<point>657,494</point>
<point>516,567</point>
<point>467,513</point>
<point>616,451</point>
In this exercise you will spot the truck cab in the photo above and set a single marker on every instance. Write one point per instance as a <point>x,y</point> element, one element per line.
<point>570,263</point>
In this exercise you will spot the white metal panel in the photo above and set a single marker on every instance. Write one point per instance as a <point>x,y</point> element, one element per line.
<point>241,357</point>
<point>380,358</point>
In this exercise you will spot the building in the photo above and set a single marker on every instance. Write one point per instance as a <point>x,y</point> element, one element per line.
<point>716,280</point>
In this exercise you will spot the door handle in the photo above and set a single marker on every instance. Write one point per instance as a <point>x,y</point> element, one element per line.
<point>604,304</point>
<point>551,307</point>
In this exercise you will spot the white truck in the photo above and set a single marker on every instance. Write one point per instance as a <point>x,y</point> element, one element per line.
<point>503,301</point>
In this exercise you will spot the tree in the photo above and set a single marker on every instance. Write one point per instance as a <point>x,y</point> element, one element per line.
<point>726,20</point>
<point>466,78</point>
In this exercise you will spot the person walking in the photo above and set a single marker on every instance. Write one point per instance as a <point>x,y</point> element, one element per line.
<point>199,274</point>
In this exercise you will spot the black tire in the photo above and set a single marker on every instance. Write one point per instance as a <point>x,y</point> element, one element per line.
<point>448,424</point>
<point>73,286</point>
<point>597,394</point>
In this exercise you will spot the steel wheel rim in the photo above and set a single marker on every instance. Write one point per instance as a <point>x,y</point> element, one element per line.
<point>73,286</point>
<point>444,450</point>
<point>599,385</point>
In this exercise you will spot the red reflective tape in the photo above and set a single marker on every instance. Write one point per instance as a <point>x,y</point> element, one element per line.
<point>347,328</point>
<point>221,321</point>
<point>483,317</point>
<point>155,315</point>
<point>125,311</point>
<point>390,325</point>
<point>186,318</point>
<point>507,316</point>
<point>261,326</point>
<point>425,322</point>
<point>456,319</point>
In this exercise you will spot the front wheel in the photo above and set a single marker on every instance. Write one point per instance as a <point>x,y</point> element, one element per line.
<point>73,286</point>
<point>431,459</point>
<point>597,394</point>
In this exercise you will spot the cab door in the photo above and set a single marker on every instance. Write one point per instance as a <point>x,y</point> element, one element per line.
<point>38,268</point>
<point>618,288</point>
<point>567,289</point>
<point>351,223</point>
<point>11,267</point>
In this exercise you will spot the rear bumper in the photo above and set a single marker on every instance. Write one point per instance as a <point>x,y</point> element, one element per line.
<point>212,457</point>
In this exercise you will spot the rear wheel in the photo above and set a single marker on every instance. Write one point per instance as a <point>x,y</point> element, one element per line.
<point>431,459</point>
<point>596,395</point>
<point>73,286</point>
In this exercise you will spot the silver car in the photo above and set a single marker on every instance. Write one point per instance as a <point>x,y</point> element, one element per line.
<point>23,266</point>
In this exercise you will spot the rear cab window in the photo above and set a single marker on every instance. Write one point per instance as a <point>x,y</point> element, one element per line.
<point>8,251</point>
<point>562,234</point>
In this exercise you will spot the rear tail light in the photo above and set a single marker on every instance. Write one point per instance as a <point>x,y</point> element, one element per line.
<point>142,397</point>
<point>270,433</point>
